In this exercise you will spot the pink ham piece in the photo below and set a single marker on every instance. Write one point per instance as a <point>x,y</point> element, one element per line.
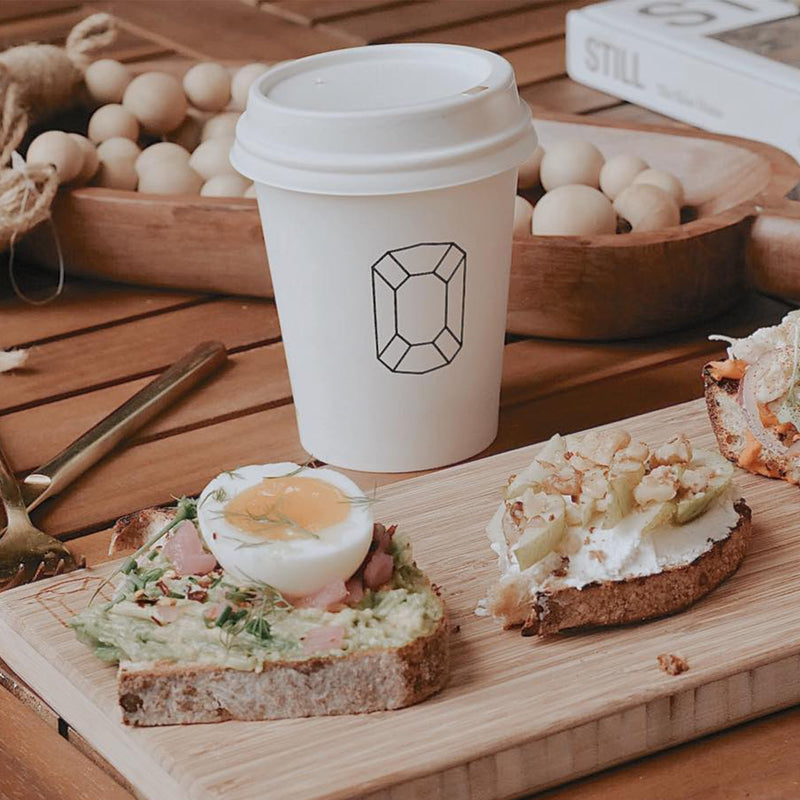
<point>355,590</point>
<point>382,536</point>
<point>333,594</point>
<point>326,637</point>
<point>212,612</point>
<point>166,613</point>
<point>379,569</point>
<point>185,550</point>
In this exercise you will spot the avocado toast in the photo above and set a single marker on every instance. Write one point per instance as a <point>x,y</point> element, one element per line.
<point>194,643</point>
<point>603,530</point>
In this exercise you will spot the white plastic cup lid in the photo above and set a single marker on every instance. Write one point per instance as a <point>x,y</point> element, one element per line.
<point>383,119</point>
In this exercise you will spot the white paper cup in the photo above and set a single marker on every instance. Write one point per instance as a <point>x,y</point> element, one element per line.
<point>386,180</point>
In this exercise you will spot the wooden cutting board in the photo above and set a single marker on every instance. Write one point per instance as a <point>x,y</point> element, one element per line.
<point>519,714</point>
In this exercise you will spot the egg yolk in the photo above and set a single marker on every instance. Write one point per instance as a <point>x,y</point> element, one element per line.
<point>287,508</point>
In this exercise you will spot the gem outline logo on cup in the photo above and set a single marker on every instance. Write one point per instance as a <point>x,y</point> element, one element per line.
<point>357,153</point>
<point>408,354</point>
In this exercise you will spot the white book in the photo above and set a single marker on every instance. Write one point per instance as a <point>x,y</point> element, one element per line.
<point>729,66</point>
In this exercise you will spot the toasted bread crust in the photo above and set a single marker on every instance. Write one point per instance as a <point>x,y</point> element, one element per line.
<point>133,530</point>
<point>376,680</point>
<point>641,598</point>
<point>730,427</point>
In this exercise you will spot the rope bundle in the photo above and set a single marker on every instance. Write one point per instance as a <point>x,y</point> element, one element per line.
<point>37,80</point>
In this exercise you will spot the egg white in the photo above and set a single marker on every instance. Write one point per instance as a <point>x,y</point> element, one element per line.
<point>295,567</point>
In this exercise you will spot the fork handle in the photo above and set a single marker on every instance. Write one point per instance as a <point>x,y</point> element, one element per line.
<point>10,494</point>
<point>74,460</point>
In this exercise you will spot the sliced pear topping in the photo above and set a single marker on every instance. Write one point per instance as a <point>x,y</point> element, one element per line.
<point>545,524</point>
<point>661,514</point>
<point>539,470</point>
<point>623,479</point>
<point>705,479</point>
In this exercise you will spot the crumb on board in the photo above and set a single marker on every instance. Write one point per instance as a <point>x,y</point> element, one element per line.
<point>672,664</point>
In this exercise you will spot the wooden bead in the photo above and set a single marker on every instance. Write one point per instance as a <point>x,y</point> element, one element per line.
<point>157,101</point>
<point>60,150</point>
<point>106,80</point>
<point>113,120</point>
<point>208,86</point>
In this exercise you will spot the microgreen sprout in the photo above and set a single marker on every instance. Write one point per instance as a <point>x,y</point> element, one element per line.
<point>185,509</point>
<point>219,495</point>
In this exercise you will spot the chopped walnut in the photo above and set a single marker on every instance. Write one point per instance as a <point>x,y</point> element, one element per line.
<point>678,450</point>
<point>601,447</point>
<point>597,555</point>
<point>658,486</point>
<point>565,481</point>
<point>696,480</point>
<point>635,451</point>
<point>672,664</point>
<point>595,484</point>
<point>563,568</point>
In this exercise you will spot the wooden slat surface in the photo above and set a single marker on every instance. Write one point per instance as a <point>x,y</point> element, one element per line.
<point>537,62</point>
<point>107,336</point>
<point>141,347</point>
<point>53,28</point>
<point>755,761</point>
<point>220,29</point>
<point>310,12</point>
<point>391,23</point>
<point>15,10</point>
<point>83,306</point>
<point>37,764</point>
<point>253,380</point>
<point>507,31</point>
<point>563,94</point>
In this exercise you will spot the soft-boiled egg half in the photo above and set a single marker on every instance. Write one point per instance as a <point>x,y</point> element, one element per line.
<point>297,529</point>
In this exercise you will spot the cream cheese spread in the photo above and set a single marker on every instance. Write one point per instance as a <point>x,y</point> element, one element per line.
<point>622,551</point>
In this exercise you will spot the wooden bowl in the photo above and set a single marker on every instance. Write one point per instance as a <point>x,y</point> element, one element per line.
<point>603,287</point>
<point>641,284</point>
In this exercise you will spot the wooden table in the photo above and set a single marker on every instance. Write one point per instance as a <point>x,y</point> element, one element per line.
<point>99,343</point>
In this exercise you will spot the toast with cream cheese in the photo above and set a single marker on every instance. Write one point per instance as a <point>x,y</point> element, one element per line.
<point>604,530</point>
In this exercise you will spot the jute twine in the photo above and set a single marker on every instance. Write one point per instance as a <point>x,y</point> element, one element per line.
<point>37,80</point>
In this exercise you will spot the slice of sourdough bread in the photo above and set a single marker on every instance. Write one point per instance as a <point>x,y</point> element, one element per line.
<point>364,680</point>
<point>641,598</point>
<point>379,680</point>
<point>730,426</point>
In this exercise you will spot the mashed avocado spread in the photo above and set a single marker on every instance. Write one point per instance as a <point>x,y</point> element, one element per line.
<point>157,615</point>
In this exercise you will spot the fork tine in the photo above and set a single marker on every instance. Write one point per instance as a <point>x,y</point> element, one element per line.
<point>59,567</point>
<point>16,580</point>
<point>39,572</point>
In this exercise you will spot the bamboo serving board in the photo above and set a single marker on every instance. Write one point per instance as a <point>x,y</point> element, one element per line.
<point>518,715</point>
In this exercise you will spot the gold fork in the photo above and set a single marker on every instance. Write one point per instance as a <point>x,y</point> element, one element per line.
<point>26,553</point>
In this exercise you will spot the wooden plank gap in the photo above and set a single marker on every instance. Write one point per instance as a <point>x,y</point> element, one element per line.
<point>197,301</point>
<point>382,26</point>
<point>243,348</point>
<point>308,12</point>
<point>115,382</point>
<point>238,414</point>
